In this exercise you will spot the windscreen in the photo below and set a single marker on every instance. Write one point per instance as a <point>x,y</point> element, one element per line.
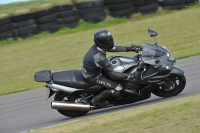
<point>152,51</point>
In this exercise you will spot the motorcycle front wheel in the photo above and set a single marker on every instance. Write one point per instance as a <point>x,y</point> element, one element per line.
<point>177,84</point>
<point>60,96</point>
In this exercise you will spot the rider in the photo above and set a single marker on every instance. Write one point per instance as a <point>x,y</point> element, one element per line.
<point>95,60</point>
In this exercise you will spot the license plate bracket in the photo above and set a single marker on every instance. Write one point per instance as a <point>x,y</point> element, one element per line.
<point>48,93</point>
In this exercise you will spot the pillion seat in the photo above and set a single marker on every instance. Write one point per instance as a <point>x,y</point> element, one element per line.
<point>70,78</point>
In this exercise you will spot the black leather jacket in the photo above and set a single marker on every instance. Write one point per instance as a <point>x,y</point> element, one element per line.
<point>95,60</point>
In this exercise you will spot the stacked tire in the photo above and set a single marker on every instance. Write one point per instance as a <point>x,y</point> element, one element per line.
<point>47,20</point>
<point>172,4</point>
<point>24,25</point>
<point>145,6</point>
<point>67,16</point>
<point>6,29</point>
<point>119,8</point>
<point>91,11</point>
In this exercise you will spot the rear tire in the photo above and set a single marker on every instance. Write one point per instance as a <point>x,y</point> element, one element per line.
<point>177,81</point>
<point>60,96</point>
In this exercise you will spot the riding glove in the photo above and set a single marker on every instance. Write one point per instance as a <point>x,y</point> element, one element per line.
<point>131,48</point>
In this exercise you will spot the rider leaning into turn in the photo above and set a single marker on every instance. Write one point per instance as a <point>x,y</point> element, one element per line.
<point>95,60</point>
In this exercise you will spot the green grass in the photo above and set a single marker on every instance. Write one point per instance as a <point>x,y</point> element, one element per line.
<point>178,31</point>
<point>177,116</point>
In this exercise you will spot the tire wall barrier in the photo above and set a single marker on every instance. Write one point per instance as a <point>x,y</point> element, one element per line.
<point>120,8</point>
<point>172,4</point>
<point>68,15</point>
<point>91,11</point>
<point>47,20</point>
<point>24,25</point>
<point>145,6</point>
<point>190,2</point>
<point>6,29</point>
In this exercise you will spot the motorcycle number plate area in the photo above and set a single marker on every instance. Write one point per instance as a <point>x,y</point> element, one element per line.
<point>47,93</point>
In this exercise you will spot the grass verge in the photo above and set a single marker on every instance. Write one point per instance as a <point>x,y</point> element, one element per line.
<point>178,31</point>
<point>177,116</point>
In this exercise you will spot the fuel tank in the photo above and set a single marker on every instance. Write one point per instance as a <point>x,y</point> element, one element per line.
<point>122,63</point>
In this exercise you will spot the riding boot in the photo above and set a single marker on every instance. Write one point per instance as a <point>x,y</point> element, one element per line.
<point>140,68</point>
<point>137,75</point>
<point>100,100</point>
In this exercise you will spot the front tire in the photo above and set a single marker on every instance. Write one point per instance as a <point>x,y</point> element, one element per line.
<point>60,96</point>
<point>177,84</point>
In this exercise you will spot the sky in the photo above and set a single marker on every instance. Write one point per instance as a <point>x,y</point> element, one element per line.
<point>10,1</point>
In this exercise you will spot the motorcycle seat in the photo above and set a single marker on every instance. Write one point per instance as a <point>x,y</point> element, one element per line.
<point>70,78</point>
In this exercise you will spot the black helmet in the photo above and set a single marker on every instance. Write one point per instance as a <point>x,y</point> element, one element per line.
<point>103,39</point>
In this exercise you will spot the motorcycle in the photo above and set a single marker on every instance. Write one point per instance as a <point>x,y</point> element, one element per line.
<point>73,94</point>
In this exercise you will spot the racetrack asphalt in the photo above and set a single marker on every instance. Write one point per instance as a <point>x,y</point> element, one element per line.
<point>29,110</point>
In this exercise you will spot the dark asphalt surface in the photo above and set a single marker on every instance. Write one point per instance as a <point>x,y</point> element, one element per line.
<point>29,110</point>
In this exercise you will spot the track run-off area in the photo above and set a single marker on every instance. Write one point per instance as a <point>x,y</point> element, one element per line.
<point>29,110</point>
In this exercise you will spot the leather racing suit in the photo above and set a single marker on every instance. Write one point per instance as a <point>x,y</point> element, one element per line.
<point>94,61</point>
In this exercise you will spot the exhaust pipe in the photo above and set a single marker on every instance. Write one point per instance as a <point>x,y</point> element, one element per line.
<point>71,106</point>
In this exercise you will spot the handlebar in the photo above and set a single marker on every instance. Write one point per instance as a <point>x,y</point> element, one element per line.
<point>138,49</point>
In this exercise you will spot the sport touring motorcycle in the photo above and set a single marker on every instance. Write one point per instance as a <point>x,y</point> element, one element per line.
<point>73,94</point>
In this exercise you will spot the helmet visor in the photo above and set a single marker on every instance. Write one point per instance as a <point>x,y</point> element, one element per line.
<point>107,42</point>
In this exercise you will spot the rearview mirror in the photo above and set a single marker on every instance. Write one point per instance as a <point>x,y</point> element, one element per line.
<point>152,33</point>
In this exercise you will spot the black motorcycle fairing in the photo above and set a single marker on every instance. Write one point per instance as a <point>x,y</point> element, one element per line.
<point>155,79</point>
<point>164,70</point>
<point>150,70</point>
<point>130,89</point>
<point>70,78</point>
<point>177,71</point>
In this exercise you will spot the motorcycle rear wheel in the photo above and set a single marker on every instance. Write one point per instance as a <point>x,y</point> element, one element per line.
<point>177,84</point>
<point>60,96</point>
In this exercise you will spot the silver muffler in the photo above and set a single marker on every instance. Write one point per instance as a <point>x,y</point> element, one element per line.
<point>71,106</point>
